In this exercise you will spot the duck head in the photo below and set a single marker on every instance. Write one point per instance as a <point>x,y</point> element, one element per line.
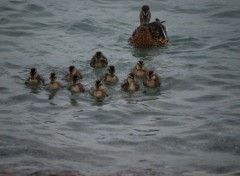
<point>145,15</point>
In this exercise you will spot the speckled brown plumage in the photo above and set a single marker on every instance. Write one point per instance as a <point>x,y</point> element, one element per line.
<point>141,37</point>
<point>148,34</point>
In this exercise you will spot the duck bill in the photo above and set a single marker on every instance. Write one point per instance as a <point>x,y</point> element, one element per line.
<point>145,20</point>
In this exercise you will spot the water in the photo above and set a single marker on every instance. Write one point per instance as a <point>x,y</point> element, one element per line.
<point>190,125</point>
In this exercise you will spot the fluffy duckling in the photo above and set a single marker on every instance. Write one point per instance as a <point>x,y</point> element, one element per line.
<point>140,70</point>
<point>34,78</point>
<point>98,91</point>
<point>110,76</point>
<point>130,84</point>
<point>152,80</point>
<point>54,84</point>
<point>76,85</point>
<point>98,60</point>
<point>72,71</point>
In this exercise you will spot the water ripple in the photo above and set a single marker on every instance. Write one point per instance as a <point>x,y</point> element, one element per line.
<point>190,123</point>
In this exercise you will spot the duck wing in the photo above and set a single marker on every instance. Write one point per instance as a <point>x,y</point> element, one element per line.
<point>157,30</point>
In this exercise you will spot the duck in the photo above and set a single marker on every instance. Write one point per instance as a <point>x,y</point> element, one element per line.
<point>98,91</point>
<point>152,80</point>
<point>76,86</point>
<point>148,34</point>
<point>139,70</point>
<point>54,83</point>
<point>110,76</point>
<point>34,78</point>
<point>99,60</point>
<point>72,71</point>
<point>130,84</point>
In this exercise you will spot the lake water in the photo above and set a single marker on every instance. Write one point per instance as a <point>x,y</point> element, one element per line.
<point>192,124</point>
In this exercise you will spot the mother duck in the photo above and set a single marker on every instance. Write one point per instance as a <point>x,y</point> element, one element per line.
<point>148,34</point>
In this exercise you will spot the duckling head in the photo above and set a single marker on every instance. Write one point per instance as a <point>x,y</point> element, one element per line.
<point>53,77</point>
<point>99,85</point>
<point>98,54</point>
<point>33,73</point>
<point>152,75</point>
<point>111,69</point>
<point>145,15</point>
<point>130,78</point>
<point>140,64</point>
<point>72,70</point>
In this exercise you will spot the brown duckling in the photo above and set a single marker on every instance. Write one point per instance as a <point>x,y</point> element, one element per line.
<point>130,84</point>
<point>76,85</point>
<point>99,60</point>
<point>110,76</point>
<point>98,91</point>
<point>72,70</point>
<point>54,84</point>
<point>152,80</point>
<point>139,70</point>
<point>34,78</point>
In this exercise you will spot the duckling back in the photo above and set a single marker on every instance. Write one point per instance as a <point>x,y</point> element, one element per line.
<point>130,86</point>
<point>77,88</point>
<point>54,86</point>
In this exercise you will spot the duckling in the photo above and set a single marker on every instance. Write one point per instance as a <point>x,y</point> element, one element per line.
<point>76,85</point>
<point>54,84</point>
<point>152,80</point>
<point>99,60</point>
<point>72,70</point>
<point>34,78</point>
<point>98,91</point>
<point>139,70</point>
<point>130,84</point>
<point>110,76</point>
